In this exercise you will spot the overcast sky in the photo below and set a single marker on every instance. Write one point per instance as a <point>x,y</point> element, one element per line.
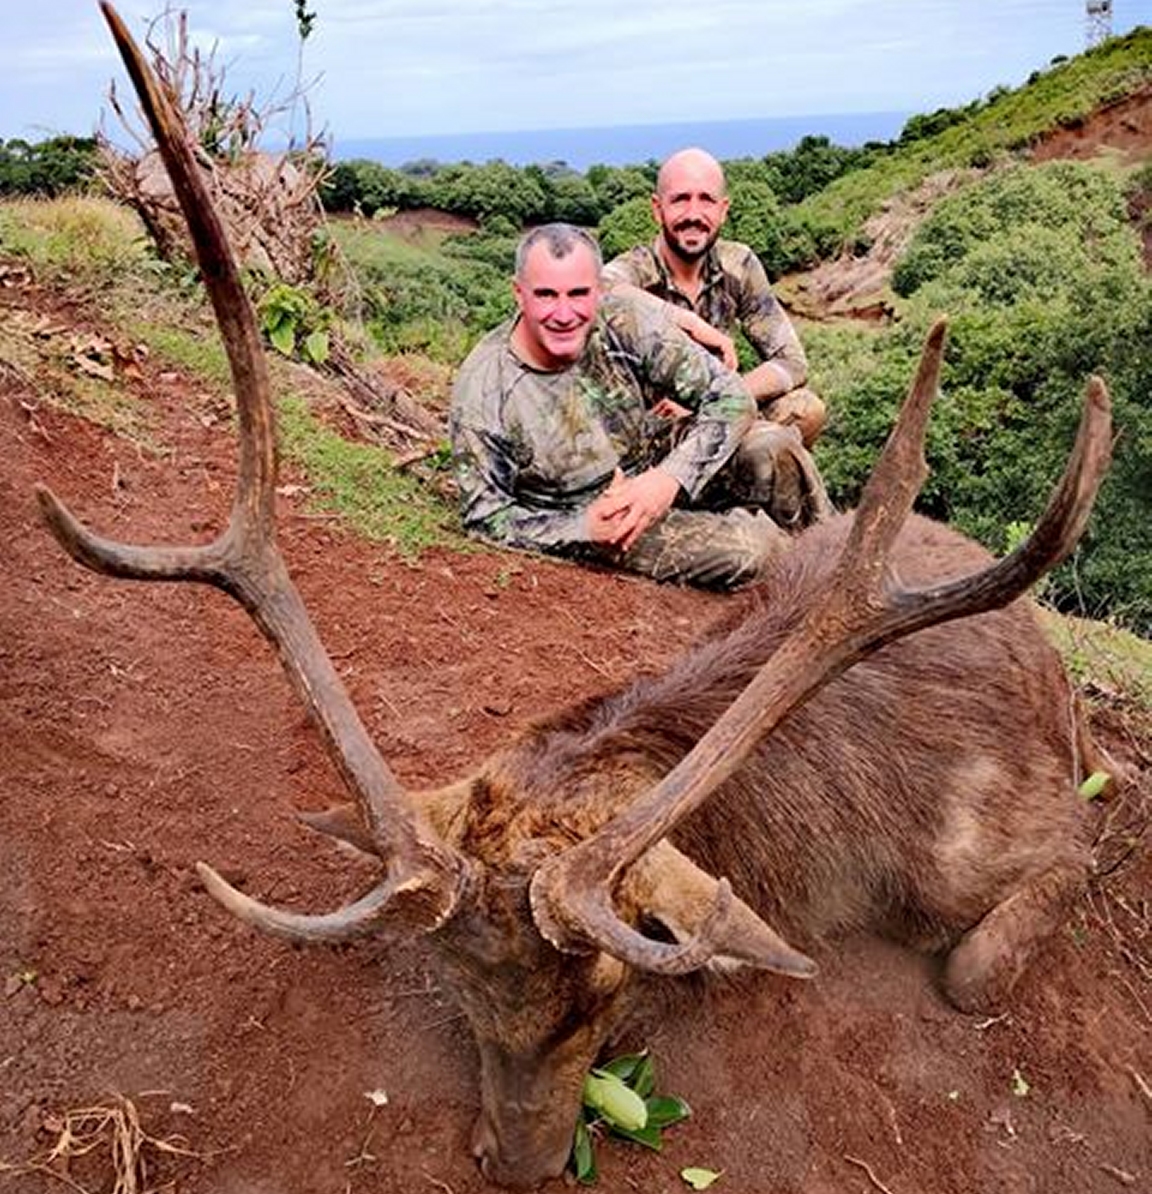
<point>415,67</point>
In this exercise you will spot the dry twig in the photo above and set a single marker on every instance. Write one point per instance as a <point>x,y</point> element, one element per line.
<point>113,1128</point>
<point>868,1170</point>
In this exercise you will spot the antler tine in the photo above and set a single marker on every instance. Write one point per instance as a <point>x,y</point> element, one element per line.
<point>425,876</point>
<point>862,610</point>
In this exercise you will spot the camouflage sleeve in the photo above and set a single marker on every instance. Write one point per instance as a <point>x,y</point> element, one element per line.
<point>633,268</point>
<point>766,324</point>
<point>486,461</point>
<point>676,367</point>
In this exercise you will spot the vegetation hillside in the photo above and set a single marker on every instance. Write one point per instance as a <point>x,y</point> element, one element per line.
<point>1038,266</point>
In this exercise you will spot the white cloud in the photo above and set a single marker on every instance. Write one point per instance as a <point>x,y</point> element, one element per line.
<point>426,66</point>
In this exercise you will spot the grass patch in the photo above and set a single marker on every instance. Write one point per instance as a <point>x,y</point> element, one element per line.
<point>199,352</point>
<point>77,236</point>
<point>1104,658</point>
<point>359,482</point>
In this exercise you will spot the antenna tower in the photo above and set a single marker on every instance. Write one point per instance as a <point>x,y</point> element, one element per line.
<point>1098,22</point>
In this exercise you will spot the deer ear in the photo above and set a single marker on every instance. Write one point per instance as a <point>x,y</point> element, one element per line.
<point>665,885</point>
<point>346,825</point>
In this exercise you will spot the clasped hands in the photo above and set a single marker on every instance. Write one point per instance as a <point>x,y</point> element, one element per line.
<point>629,506</point>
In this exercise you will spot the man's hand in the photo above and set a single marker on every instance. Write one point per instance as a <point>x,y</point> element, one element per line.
<point>669,408</point>
<point>714,340</point>
<point>629,506</point>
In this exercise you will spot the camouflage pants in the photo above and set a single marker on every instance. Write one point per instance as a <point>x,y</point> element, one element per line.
<point>746,516</point>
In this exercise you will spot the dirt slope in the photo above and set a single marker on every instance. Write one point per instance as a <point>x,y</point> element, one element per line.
<point>146,727</point>
<point>856,287</point>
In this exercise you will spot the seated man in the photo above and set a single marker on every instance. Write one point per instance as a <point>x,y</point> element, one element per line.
<point>601,432</point>
<point>715,286</point>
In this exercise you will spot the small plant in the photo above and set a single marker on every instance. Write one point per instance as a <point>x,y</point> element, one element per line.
<point>619,1101</point>
<point>295,323</point>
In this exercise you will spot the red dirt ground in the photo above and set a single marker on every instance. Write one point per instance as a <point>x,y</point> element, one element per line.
<point>146,727</point>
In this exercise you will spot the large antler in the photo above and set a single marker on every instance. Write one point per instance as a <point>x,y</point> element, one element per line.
<point>425,877</point>
<point>863,608</point>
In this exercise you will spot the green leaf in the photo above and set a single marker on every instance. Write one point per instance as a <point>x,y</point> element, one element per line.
<point>700,1179</point>
<point>621,1106</point>
<point>649,1136</point>
<point>644,1078</point>
<point>583,1155</point>
<point>666,1110</point>
<point>283,337</point>
<point>315,347</point>
<point>625,1066</point>
<point>1094,785</point>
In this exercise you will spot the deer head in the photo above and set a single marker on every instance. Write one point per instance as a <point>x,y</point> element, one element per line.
<point>543,923</point>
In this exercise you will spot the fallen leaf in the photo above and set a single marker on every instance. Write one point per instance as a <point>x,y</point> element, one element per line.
<point>700,1179</point>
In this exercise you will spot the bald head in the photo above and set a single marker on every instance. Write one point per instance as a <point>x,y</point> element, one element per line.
<point>691,167</point>
<point>690,205</point>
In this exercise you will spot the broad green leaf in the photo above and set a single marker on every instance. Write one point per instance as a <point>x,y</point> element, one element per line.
<point>583,1155</point>
<point>649,1136</point>
<point>700,1179</point>
<point>666,1110</point>
<point>617,1103</point>
<point>644,1079</point>
<point>315,347</point>
<point>283,337</point>
<point>624,1066</point>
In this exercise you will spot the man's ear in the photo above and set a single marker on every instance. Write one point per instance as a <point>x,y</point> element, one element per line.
<point>518,294</point>
<point>656,210</point>
<point>726,202</point>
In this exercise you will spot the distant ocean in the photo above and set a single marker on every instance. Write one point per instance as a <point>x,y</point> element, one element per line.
<point>626,144</point>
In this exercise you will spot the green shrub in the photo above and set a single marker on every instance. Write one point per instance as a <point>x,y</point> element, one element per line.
<point>628,225</point>
<point>1042,280</point>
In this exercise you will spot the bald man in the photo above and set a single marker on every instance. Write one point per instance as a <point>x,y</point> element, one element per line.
<point>714,287</point>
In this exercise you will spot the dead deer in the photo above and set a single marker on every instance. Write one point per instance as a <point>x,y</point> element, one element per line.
<point>834,772</point>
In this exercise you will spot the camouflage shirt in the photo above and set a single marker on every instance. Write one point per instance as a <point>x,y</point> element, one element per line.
<point>533,449</point>
<point>735,294</point>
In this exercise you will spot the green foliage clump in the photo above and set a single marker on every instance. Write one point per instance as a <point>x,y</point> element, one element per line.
<point>429,299</point>
<point>1043,204</point>
<point>295,323</point>
<point>754,218</point>
<point>626,226</point>
<point>813,164</point>
<point>1042,280</point>
<point>368,187</point>
<point>46,168</point>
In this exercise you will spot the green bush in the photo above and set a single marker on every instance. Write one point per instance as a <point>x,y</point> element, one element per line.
<point>1043,283</point>
<point>626,226</point>
<point>1045,204</point>
<point>46,168</point>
